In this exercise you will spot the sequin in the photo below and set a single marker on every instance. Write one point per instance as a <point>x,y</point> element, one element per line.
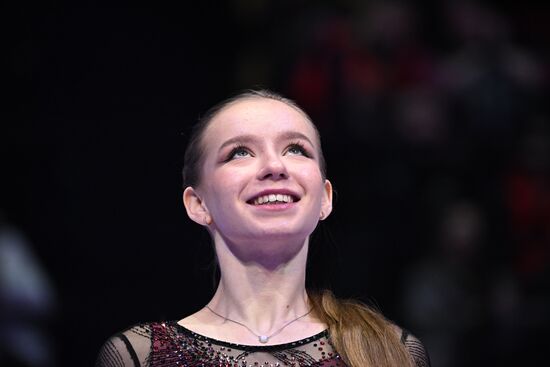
<point>168,344</point>
<point>175,346</point>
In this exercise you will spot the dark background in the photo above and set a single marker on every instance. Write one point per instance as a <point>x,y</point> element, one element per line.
<point>435,129</point>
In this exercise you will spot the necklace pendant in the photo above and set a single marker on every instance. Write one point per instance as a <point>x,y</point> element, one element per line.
<point>263,339</point>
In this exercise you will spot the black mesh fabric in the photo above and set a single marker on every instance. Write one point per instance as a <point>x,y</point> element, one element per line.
<point>169,344</point>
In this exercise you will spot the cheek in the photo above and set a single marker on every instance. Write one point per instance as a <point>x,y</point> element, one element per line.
<point>227,179</point>
<point>311,170</point>
<point>311,178</point>
<point>223,188</point>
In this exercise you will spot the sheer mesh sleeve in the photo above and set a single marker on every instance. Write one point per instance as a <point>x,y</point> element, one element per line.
<point>130,348</point>
<point>163,344</point>
<point>416,349</point>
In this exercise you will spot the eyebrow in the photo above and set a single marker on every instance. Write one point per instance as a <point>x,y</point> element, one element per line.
<point>248,138</point>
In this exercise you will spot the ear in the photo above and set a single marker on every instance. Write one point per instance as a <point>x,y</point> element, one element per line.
<point>195,207</point>
<point>326,204</point>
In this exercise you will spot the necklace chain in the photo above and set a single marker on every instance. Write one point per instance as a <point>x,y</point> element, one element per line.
<point>261,338</point>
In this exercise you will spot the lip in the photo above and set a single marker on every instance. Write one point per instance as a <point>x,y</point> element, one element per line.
<point>294,195</point>
<point>274,207</point>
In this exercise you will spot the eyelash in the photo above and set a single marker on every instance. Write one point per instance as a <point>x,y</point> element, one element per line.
<point>294,145</point>
<point>234,151</point>
<point>300,147</point>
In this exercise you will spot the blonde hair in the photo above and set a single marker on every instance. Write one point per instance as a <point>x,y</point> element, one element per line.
<point>361,336</point>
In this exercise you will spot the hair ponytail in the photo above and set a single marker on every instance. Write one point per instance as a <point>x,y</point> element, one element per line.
<point>361,336</point>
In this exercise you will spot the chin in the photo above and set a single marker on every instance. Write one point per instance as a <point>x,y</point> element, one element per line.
<point>272,236</point>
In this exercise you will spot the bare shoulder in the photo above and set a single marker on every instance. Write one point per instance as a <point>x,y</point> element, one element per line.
<point>129,348</point>
<point>415,347</point>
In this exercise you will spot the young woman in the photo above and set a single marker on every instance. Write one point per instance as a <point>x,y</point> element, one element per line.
<point>255,178</point>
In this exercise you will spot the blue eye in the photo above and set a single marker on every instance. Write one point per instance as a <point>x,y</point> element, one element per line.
<point>238,152</point>
<point>297,149</point>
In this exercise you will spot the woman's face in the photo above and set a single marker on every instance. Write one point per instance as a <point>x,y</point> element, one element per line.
<point>261,180</point>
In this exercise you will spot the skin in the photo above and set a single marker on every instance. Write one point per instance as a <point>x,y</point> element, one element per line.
<point>253,147</point>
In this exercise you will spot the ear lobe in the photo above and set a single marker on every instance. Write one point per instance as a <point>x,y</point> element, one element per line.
<point>194,205</point>
<point>326,205</point>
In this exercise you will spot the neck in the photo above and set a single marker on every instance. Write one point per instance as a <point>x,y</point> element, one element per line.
<point>261,295</point>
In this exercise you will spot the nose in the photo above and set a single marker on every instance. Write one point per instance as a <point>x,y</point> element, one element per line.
<point>273,168</point>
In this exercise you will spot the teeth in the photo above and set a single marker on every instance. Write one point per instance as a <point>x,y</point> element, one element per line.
<point>273,198</point>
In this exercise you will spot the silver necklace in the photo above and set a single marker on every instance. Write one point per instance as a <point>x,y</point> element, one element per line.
<point>261,338</point>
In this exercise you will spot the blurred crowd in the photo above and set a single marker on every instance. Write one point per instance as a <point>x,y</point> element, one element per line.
<point>438,116</point>
<point>27,302</point>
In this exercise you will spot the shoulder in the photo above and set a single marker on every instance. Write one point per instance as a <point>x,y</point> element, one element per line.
<point>128,348</point>
<point>415,348</point>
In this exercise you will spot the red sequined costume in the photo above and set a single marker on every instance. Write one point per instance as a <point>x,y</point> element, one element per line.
<point>169,344</point>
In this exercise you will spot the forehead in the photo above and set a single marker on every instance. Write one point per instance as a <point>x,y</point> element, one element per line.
<point>260,116</point>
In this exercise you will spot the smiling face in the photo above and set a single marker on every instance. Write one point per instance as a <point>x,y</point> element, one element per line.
<point>260,180</point>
